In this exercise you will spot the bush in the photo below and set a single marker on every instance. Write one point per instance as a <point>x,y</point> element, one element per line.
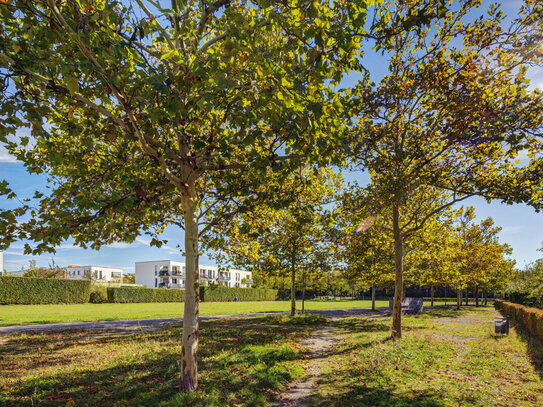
<point>220,293</point>
<point>129,294</point>
<point>530,318</point>
<point>98,294</point>
<point>32,290</point>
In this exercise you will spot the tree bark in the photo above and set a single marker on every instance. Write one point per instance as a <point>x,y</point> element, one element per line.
<point>293,285</point>
<point>432,294</point>
<point>458,299</point>
<point>303,291</point>
<point>476,296</point>
<point>373,297</point>
<point>189,368</point>
<point>467,298</point>
<point>398,265</point>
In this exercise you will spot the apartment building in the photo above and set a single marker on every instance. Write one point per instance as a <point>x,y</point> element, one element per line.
<point>171,274</point>
<point>100,274</point>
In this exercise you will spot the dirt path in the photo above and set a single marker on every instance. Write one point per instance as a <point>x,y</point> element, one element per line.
<point>299,392</point>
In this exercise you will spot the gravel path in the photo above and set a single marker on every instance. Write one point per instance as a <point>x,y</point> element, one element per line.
<point>157,323</point>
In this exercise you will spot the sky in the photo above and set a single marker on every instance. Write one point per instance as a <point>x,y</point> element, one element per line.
<point>522,227</point>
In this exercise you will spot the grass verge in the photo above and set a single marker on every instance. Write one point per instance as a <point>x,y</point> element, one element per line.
<point>48,314</point>
<point>241,362</point>
<point>445,358</point>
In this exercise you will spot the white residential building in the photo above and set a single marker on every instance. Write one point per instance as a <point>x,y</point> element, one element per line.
<point>171,274</point>
<point>100,274</point>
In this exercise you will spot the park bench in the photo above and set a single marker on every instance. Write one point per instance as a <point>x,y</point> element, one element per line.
<point>410,305</point>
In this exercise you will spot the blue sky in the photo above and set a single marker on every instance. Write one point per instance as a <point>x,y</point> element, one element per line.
<point>522,226</point>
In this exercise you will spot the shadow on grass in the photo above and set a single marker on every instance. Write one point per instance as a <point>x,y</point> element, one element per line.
<point>534,345</point>
<point>241,362</point>
<point>361,394</point>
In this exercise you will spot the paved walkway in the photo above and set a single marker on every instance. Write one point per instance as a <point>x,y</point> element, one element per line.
<point>157,323</point>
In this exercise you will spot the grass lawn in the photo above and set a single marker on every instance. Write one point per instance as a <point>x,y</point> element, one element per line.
<point>46,314</point>
<point>446,358</point>
<point>241,362</point>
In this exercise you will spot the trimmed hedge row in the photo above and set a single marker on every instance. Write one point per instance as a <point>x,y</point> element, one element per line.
<point>31,290</point>
<point>129,294</point>
<point>530,318</point>
<point>220,293</point>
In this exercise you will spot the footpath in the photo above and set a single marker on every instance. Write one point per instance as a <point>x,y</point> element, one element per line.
<point>157,323</point>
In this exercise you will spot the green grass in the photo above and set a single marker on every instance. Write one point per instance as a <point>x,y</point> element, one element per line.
<point>47,314</point>
<point>445,358</point>
<point>241,362</point>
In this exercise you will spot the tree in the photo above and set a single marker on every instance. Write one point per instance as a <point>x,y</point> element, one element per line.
<point>129,278</point>
<point>285,235</point>
<point>53,271</point>
<point>150,115</point>
<point>452,112</point>
<point>482,258</point>
<point>364,254</point>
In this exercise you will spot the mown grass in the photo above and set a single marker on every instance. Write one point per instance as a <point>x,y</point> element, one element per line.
<point>241,362</point>
<point>445,358</point>
<point>47,314</point>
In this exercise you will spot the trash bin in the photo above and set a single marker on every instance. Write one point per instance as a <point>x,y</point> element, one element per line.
<point>501,325</point>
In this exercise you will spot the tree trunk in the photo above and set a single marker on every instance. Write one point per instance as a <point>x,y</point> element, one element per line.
<point>476,296</point>
<point>398,265</point>
<point>303,291</point>
<point>432,294</point>
<point>467,298</point>
<point>373,297</point>
<point>446,293</point>
<point>292,286</point>
<point>458,299</point>
<point>485,298</point>
<point>189,368</point>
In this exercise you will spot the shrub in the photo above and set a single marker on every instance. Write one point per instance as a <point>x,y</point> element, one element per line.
<point>32,290</point>
<point>530,318</point>
<point>220,293</point>
<point>129,294</point>
<point>98,294</point>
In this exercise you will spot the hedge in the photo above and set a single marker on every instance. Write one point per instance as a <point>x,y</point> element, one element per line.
<point>220,293</point>
<point>530,318</point>
<point>129,294</point>
<point>33,290</point>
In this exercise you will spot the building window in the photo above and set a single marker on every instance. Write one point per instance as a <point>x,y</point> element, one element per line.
<point>78,272</point>
<point>156,272</point>
<point>156,282</point>
<point>175,280</point>
<point>184,269</point>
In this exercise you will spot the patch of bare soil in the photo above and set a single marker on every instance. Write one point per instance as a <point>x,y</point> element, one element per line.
<point>320,343</point>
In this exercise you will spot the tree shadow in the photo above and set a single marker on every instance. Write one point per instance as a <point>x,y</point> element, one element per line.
<point>239,360</point>
<point>363,394</point>
<point>533,344</point>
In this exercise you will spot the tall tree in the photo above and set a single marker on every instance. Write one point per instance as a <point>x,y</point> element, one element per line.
<point>284,235</point>
<point>453,111</point>
<point>147,113</point>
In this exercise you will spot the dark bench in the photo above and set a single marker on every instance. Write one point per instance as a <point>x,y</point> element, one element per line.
<point>410,305</point>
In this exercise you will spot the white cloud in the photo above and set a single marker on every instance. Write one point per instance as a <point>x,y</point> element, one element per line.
<point>512,229</point>
<point>168,249</point>
<point>535,74</point>
<point>14,253</point>
<point>5,157</point>
<point>122,245</point>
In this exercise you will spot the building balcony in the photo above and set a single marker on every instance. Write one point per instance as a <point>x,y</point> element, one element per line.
<point>171,274</point>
